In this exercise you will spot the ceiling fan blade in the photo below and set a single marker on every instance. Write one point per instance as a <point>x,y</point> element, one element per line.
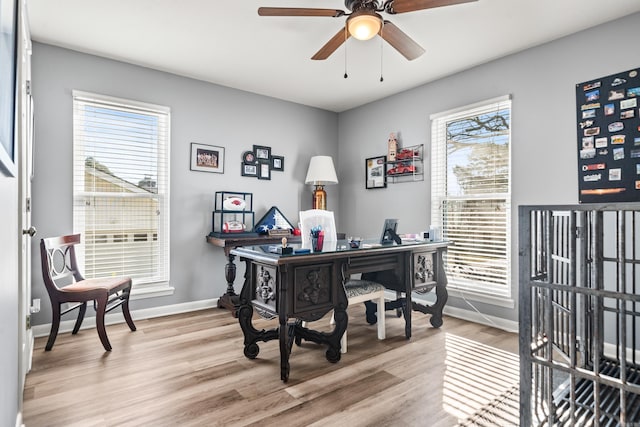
<point>402,6</point>
<point>298,11</point>
<point>401,41</point>
<point>331,46</point>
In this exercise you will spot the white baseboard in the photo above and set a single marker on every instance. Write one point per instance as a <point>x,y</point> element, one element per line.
<point>483,319</point>
<point>610,352</point>
<point>31,339</point>
<point>117,317</point>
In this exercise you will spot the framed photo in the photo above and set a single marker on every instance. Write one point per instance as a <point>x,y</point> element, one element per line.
<point>207,158</point>
<point>264,170</point>
<point>262,152</point>
<point>389,231</point>
<point>249,158</point>
<point>375,172</point>
<point>249,170</point>
<point>277,163</point>
<point>8,18</point>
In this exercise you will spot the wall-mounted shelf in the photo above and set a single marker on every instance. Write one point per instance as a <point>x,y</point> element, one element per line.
<point>408,166</point>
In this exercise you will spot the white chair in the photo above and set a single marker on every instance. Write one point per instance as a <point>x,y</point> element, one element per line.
<point>360,291</point>
<point>318,217</point>
<point>357,290</point>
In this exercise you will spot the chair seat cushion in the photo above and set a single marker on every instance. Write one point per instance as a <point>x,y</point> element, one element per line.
<point>109,284</point>
<point>355,287</point>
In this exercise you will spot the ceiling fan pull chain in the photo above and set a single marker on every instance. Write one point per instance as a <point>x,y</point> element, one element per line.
<point>346,36</point>
<point>381,51</point>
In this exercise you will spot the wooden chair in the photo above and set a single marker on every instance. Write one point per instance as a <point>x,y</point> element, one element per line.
<point>65,284</point>
<point>362,291</point>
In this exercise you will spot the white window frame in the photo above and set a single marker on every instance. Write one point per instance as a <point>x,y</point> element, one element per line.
<point>479,291</point>
<point>159,284</point>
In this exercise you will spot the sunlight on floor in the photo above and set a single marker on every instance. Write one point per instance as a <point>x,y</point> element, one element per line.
<point>476,376</point>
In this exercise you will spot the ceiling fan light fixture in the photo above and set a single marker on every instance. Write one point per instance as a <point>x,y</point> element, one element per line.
<point>365,25</point>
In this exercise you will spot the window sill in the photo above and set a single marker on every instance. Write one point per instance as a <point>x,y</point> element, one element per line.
<point>151,290</point>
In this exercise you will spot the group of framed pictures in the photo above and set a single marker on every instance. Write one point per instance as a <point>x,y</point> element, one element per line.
<point>259,163</point>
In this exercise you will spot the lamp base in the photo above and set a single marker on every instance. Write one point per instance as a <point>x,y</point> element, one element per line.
<point>319,200</point>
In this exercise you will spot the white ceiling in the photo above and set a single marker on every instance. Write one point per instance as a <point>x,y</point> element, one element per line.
<point>227,43</point>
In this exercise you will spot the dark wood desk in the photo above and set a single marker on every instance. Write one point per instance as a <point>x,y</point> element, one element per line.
<point>305,287</point>
<point>228,241</point>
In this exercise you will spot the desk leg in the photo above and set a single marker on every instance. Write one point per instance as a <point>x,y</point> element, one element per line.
<point>332,339</point>
<point>251,334</point>
<point>435,310</point>
<point>285,348</point>
<point>341,319</point>
<point>230,300</point>
<point>406,311</point>
<point>441,294</point>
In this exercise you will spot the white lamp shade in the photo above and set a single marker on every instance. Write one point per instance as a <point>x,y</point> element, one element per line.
<point>364,26</point>
<point>321,171</point>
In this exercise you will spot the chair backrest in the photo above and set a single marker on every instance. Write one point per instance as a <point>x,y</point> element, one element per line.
<point>317,217</point>
<point>58,257</point>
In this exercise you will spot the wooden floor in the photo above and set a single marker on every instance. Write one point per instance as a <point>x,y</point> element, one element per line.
<point>189,370</point>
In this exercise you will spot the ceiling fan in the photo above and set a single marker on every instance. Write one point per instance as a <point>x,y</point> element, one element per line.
<point>364,22</point>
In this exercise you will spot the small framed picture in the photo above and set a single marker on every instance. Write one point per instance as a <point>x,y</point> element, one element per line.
<point>616,94</point>
<point>249,170</point>
<point>262,152</point>
<point>249,158</point>
<point>375,172</point>
<point>264,170</point>
<point>277,163</point>
<point>207,158</point>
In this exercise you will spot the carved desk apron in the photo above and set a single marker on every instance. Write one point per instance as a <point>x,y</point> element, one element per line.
<point>305,287</point>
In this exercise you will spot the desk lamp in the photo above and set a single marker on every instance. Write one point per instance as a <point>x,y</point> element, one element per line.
<point>321,172</point>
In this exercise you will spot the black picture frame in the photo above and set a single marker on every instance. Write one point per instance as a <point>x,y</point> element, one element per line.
<point>249,158</point>
<point>277,163</point>
<point>389,231</point>
<point>264,170</point>
<point>262,153</point>
<point>8,77</point>
<point>375,172</point>
<point>207,158</point>
<point>249,169</point>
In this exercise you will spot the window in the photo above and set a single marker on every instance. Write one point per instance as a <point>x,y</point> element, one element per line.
<point>471,194</point>
<point>121,188</point>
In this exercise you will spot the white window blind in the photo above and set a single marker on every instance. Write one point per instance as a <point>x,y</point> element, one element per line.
<point>471,194</point>
<point>121,187</point>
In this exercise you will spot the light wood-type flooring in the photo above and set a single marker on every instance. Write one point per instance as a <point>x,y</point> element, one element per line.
<point>189,370</point>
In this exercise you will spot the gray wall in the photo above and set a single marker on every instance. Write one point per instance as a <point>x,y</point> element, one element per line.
<point>200,112</point>
<point>541,81</point>
<point>9,348</point>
